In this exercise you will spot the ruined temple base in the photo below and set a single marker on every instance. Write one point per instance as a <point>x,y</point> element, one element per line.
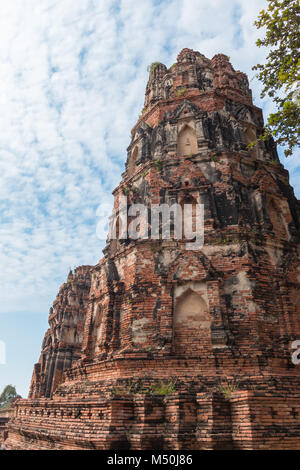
<point>120,412</point>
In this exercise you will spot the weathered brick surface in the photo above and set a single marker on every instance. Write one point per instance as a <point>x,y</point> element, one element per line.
<point>3,427</point>
<point>5,415</point>
<point>164,334</point>
<point>61,347</point>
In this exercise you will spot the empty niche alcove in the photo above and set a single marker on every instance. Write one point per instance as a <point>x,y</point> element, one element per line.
<point>97,329</point>
<point>132,160</point>
<point>191,323</point>
<point>187,141</point>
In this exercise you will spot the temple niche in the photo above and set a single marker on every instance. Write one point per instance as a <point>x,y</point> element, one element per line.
<point>250,137</point>
<point>133,159</point>
<point>278,211</point>
<point>168,83</point>
<point>97,330</point>
<point>191,324</point>
<point>187,141</point>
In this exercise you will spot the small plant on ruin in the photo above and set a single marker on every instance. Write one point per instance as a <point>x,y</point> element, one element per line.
<point>215,159</point>
<point>159,165</point>
<point>228,388</point>
<point>117,391</point>
<point>152,67</point>
<point>126,191</point>
<point>274,162</point>
<point>158,249</point>
<point>129,389</point>
<point>235,240</point>
<point>163,388</point>
<point>143,112</point>
<point>134,388</point>
<point>251,145</point>
<point>181,92</point>
<point>220,241</point>
<point>145,174</point>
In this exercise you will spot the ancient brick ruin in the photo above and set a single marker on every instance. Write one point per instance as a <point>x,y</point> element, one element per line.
<point>160,347</point>
<point>4,418</point>
<point>61,347</point>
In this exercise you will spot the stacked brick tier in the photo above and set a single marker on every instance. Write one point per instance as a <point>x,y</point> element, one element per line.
<point>185,349</point>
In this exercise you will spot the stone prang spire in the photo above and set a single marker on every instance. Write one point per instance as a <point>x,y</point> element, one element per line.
<point>160,346</point>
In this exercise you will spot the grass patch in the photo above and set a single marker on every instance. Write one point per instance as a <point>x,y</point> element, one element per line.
<point>163,388</point>
<point>181,92</point>
<point>228,388</point>
<point>159,164</point>
<point>215,159</point>
<point>152,67</point>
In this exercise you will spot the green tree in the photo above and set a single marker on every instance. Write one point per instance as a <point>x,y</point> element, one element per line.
<point>8,394</point>
<point>280,74</point>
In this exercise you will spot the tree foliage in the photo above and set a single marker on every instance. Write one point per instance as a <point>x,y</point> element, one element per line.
<point>280,74</point>
<point>8,394</point>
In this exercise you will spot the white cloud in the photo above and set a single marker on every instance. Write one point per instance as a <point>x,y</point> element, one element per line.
<point>73,76</point>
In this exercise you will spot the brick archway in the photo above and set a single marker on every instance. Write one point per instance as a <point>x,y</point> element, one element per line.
<point>191,324</point>
<point>132,160</point>
<point>187,141</point>
<point>97,331</point>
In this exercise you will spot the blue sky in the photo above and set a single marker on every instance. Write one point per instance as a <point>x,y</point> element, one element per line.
<point>73,77</point>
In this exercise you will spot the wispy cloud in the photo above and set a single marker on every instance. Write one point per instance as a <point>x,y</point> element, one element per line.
<point>73,77</point>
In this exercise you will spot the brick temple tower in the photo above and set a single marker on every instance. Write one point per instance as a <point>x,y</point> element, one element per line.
<point>161,347</point>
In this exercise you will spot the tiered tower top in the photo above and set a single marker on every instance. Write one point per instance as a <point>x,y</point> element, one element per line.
<point>193,75</point>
